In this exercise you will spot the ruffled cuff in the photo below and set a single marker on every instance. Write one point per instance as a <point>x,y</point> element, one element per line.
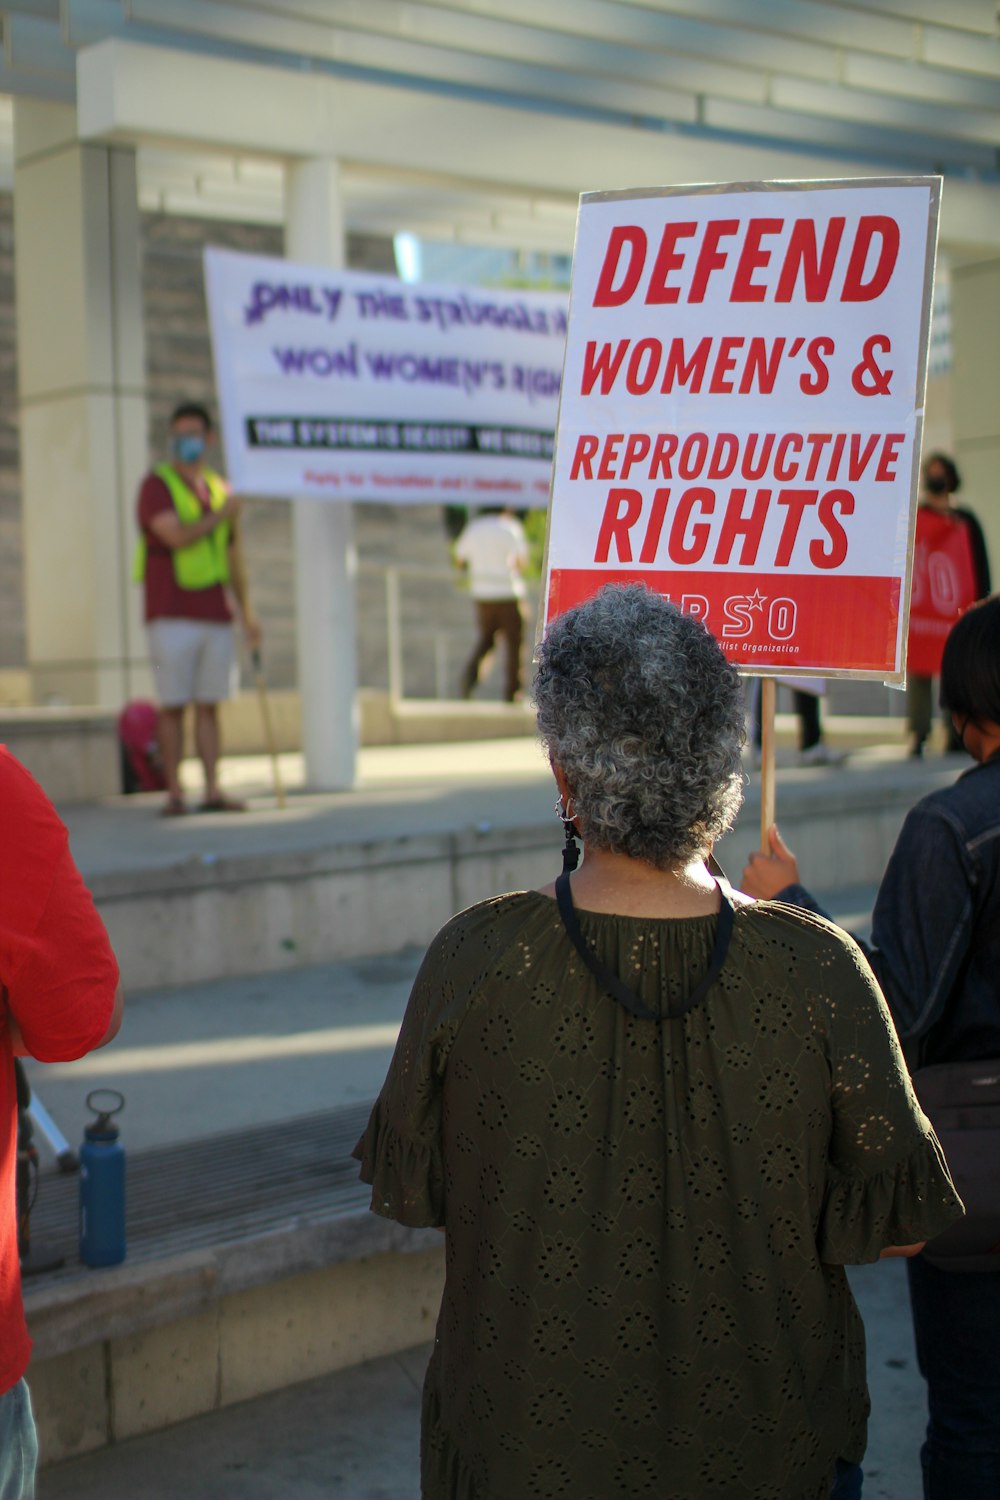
<point>444,1469</point>
<point>905,1204</point>
<point>407,1177</point>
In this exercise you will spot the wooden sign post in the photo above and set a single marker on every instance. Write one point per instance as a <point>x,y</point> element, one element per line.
<point>767,701</point>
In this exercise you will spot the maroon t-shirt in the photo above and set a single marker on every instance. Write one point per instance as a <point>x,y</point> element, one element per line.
<point>165,600</point>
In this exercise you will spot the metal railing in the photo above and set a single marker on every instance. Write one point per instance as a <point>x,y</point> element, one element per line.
<point>437,637</point>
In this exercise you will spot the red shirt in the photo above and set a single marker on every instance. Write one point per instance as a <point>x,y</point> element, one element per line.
<point>58,977</point>
<point>165,600</point>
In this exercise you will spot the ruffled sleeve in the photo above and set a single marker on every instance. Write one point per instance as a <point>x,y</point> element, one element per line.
<point>406,1176</point>
<point>402,1150</point>
<point>904,1204</point>
<point>887,1181</point>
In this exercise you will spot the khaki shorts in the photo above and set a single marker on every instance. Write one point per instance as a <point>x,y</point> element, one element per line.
<point>194,661</point>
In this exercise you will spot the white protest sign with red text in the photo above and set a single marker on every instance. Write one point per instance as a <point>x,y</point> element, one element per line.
<point>741,413</point>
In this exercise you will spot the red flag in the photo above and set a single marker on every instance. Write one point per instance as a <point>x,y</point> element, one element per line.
<point>944,584</point>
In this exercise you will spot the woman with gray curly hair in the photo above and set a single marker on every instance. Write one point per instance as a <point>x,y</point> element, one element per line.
<point>643,716</point>
<point>655,1120</point>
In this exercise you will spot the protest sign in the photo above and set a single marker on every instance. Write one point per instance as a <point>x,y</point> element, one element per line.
<point>741,413</point>
<point>349,386</point>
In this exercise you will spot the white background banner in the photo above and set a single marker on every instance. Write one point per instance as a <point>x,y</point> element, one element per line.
<point>349,386</point>
<point>742,409</point>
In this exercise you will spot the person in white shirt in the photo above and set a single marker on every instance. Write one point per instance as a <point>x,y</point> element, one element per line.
<point>494,550</point>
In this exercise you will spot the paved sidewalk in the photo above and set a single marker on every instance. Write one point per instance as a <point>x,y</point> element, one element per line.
<point>349,1436</point>
<point>355,1435</point>
<point>216,1057</point>
<point>402,790</point>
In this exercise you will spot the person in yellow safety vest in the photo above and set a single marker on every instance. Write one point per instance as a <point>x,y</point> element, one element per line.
<point>190,564</point>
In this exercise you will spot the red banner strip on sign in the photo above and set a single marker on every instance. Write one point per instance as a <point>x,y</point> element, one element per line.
<point>769,620</point>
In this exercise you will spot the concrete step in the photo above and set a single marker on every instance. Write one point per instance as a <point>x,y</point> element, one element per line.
<point>247,1221</point>
<point>248,1241</point>
<point>333,876</point>
<point>155,1343</point>
<point>241,1185</point>
<point>428,831</point>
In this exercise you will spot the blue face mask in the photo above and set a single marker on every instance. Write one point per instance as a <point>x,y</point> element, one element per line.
<point>187,447</point>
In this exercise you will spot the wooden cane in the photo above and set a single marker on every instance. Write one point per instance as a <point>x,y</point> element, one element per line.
<point>239,560</point>
<point>767,700</point>
<point>265,715</point>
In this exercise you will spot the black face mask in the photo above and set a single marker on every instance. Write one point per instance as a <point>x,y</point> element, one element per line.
<point>936,484</point>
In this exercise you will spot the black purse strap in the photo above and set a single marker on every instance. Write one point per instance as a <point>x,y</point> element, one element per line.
<point>620,991</point>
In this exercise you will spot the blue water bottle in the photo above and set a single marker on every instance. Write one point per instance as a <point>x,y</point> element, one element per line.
<point>102,1183</point>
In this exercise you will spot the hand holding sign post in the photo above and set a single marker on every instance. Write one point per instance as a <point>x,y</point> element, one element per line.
<point>741,413</point>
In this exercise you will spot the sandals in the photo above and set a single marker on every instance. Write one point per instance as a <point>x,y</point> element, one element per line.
<point>223,804</point>
<point>175,807</point>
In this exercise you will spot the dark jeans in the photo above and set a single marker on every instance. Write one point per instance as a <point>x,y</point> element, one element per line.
<point>956,1319</point>
<point>18,1445</point>
<point>920,712</point>
<point>807,708</point>
<point>497,617</point>
<point>919,706</point>
<point>846,1481</point>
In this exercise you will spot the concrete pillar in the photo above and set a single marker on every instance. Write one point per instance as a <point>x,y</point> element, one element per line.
<point>975,325</point>
<point>325,557</point>
<point>81,377</point>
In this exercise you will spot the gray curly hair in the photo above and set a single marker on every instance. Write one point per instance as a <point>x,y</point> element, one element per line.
<point>644,714</point>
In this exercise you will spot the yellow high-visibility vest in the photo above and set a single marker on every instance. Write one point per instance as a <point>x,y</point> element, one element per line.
<point>206,561</point>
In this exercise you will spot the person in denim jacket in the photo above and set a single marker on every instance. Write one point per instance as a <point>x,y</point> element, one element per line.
<point>935,950</point>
